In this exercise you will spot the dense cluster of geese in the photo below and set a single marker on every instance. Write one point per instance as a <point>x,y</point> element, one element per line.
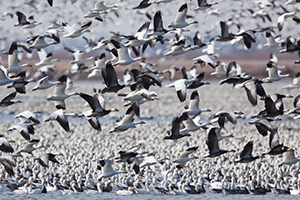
<point>70,170</point>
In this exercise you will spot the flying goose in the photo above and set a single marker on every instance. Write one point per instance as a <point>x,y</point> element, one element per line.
<point>140,37</point>
<point>29,148</point>
<point>274,74</point>
<point>263,126</point>
<point>8,163</point>
<point>150,159</point>
<point>97,109</point>
<point>289,158</point>
<point>193,107</point>
<point>222,115</point>
<point>191,125</point>
<point>178,48</point>
<point>44,159</point>
<point>44,83</point>
<point>72,33</point>
<point>217,131</point>
<point>59,95</point>
<point>225,35</point>
<point>45,59</point>
<point>24,129</point>
<point>271,41</point>
<point>220,69</point>
<point>61,117</point>
<point>202,4</point>
<point>180,18</point>
<point>158,28</point>
<point>99,64</point>
<point>205,60</point>
<point>110,79</point>
<point>101,7</point>
<point>275,147</point>
<point>175,133</point>
<point>40,43</point>
<point>184,157</point>
<point>8,100</point>
<point>107,170</point>
<point>213,146</point>
<point>28,117</point>
<point>246,154</point>
<point>13,63</point>
<point>5,146</point>
<point>23,22</point>
<point>123,55</point>
<point>281,19</point>
<point>4,79</point>
<point>180,87</point>
<point>127,121</point>
<point>171,72</point>
<point>94,14</point>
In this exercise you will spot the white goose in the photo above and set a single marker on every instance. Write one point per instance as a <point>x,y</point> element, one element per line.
<point>281,19</point>
<point>13,63</point>
<point>295,84</point>
<point>80,58</point>
<point>59,95</point>
<point>108,171</point>
<point>193,107</point>
<point>180,87</point>
<point>44,83</point>
<point>180,18</point>
<point>45,59</point>
<point>72,33</point>
<point>184,157</point>
<point>178,48</point>
<point>127,121</point>
<point>289,158</point>
<point>123,55</point>
<point>61,118</point>
<point>3,76</point>
<point>101,7</point>
<point>40,43</point>
<point>274,74</point>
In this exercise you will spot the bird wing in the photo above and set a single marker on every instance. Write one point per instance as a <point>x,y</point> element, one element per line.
<point>60,88</point>
<point>180,17</point>
<point>175,126</point>
<point>247,151</point>
<point>212,140</point>
<point>274,138</point>
<point>9,97</point>
<point>92,101</point>
<point>62,120</point>
<point>194,101</point>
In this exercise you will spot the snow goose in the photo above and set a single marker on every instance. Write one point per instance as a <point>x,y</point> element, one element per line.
<point>44,159</point>
<point>246,154</point>
<point>213,146</point>
<point>59,95</point>
<point>184,157</point>
<point>205,59</point>
<point>289,158</point>
<point>8,100</point>
<point>271,41</point>
<point>28,116</point>
<point>94,14</point>
<point>193,107</point>
<point>189,124</point>
<point>178,48</point>
<point>220,69</point>
<point>127,121</point>
<point>101,7</point>
<point>217,131</point>
<point>110,79</point>
<point>4,145</point>
<point>80,58</point>
<point>40,43</point>
<point>274,74</point>
<point>61,117</point>
<point>44,83</point>
<point>24,129</point>
<point>8,163</point>
<point>222,115</point>
<point>202,4</point>
<point>158,28</point>
<point>72,33</point>
<point>263,126</point>
<point>180,87</point>
<point>171,72</point>
<point>225,35</point>
<point>99,64</point>
<point>23,22</point>
<point>45,59</point>
<point>123,55</point>
<point>94,102</point>
<point>281,19</point>
<point>180,18</point>
<point>4,79</point>
<point>107,170</point>
<point>13,63</point>
<point>29,148</point>
<point>275,147</point>
<point>140,37</point>
<point>150,159</point>
<point>175,134</point>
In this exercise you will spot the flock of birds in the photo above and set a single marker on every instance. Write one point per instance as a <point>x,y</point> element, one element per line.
<point>141,170</point>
